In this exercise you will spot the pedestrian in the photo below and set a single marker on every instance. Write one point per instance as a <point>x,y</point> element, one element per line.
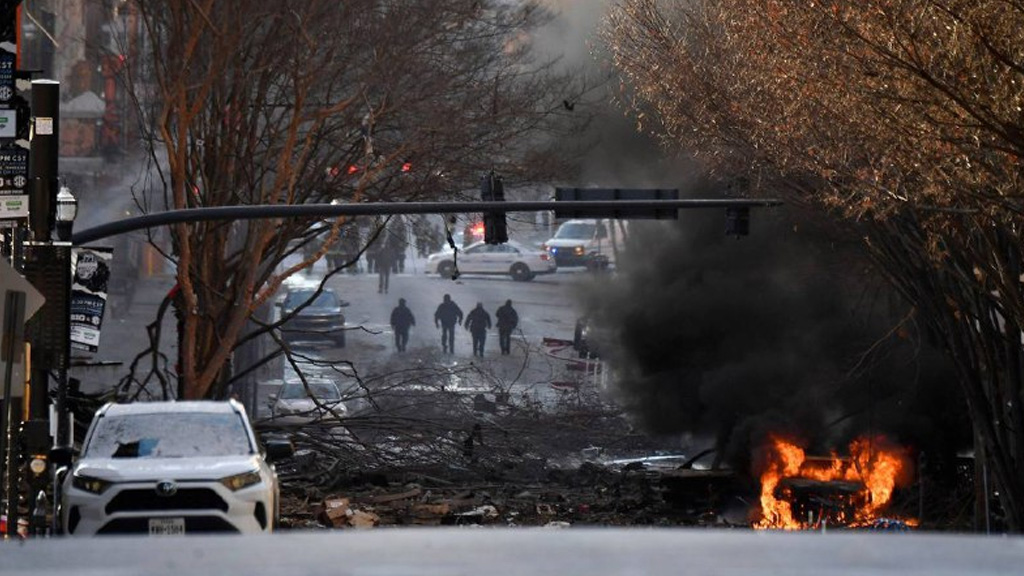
<point>384,264</point>
<point>401,320</point>
<point>478,322</point>
<point>447,317</point>
<point>398,243</point>
<point>507,321</point>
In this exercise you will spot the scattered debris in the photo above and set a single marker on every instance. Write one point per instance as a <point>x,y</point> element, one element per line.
<point>557,524</point>
<point>363,519</point>
<point>407,462</point>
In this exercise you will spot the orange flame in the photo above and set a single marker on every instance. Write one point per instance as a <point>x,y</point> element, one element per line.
<point>872,464</point>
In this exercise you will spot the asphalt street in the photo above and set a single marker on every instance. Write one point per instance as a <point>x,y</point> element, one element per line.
<point>547,308</point>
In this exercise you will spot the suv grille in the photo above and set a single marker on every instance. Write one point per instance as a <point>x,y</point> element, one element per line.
<point>137,500</point>
<point>192,524</point>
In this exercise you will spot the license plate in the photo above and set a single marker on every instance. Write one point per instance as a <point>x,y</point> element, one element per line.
<point>166,526</point>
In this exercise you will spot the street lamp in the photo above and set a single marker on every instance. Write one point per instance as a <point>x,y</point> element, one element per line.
<point>67,209</point>
<point>62,452</point>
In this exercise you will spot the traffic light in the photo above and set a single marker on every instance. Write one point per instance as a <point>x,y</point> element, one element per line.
<point>493,190</point>
<point>737,221</point>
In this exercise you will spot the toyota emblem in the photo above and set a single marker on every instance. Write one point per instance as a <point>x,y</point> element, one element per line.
<point>166,488</point>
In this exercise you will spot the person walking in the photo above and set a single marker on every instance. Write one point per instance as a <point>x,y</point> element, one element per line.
<point>507,321</point>
<point>401,320</point>
<point>478,322</point>
<point>384,264</point>
<point>447,317</point>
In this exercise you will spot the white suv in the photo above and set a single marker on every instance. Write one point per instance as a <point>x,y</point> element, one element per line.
<point>171,468</point>
<point>581,243</point>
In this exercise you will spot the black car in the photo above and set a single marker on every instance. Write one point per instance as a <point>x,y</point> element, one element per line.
<point>312,316</point>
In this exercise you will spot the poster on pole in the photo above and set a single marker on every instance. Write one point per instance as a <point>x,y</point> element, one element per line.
<point>89,284</point>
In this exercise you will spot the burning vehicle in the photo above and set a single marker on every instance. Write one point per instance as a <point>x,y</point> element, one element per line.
<point>799,492</point>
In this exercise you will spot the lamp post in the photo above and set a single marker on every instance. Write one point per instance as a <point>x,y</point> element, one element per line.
<point>67,210</point>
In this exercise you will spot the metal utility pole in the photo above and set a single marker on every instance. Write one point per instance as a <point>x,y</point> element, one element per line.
<point>14,115</point>
<point>13,321</point>
<point>47,267</point>
<point>46,264</point>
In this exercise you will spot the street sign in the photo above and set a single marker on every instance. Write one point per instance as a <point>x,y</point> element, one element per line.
<point>11,281</point>
<point>605,194</point>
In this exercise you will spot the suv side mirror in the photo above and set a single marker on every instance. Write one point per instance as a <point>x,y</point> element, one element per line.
<point>279,450</point>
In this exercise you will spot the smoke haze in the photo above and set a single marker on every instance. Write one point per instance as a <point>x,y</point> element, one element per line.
<point>786,331</point>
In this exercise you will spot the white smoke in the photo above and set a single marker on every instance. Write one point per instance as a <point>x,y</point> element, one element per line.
<point>572,34</point>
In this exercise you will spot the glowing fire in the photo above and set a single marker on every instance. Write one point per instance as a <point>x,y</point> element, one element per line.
<point>865,482</point>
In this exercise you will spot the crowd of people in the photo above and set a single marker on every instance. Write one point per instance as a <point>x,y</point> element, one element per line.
<point>449,315</point>
<point>376,247</point>
<point>385,255</point>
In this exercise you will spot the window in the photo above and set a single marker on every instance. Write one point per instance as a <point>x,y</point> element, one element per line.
<point>169,435</point>
<point>321,390</point>
<point>576,231</point>
<point>326,299</point>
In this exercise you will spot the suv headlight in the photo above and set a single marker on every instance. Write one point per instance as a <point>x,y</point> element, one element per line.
<point>243,480</point>
<point>89,484</point>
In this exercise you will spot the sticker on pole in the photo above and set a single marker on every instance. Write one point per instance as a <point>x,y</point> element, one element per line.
<point>44,126</point>
<point>88,295</point>
<point>7,62</point>
<point>8,123</point>
<point>13,207</point>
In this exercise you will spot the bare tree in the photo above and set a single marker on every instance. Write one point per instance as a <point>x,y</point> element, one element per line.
<point>904,118</point>
<point>275,102</point>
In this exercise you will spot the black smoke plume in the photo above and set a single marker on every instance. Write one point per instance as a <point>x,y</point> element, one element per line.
<point>785,331</point>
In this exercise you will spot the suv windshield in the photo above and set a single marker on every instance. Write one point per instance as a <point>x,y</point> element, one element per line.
<point>576,231</point>
<point>169,435</point>
<point>321,390</point>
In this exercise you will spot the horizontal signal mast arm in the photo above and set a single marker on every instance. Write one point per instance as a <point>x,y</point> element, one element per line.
<point>621,208</point>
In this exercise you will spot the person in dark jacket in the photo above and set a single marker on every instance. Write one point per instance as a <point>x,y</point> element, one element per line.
<point>478,322</point>
<point>401,320</point>
<point>385,261</point>
<point>507,321</point>
<point>447,317</point>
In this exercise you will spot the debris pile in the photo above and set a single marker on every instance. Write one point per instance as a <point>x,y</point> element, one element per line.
<point>588,495</point>
<point>433,457</point>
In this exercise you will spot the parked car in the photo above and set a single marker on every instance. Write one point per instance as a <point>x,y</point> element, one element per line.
<point>309,315</point>
<point>516,260</point>
<point>171,468</point>
<point>293,403</point>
